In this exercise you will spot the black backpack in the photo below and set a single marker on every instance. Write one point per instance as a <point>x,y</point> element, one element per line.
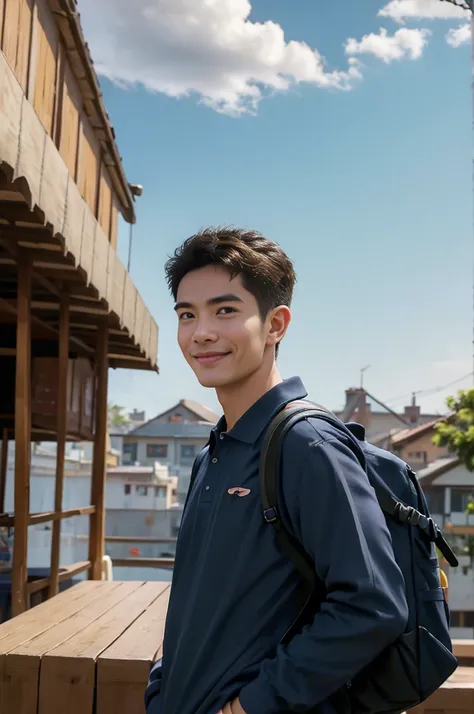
<point>418,663</point>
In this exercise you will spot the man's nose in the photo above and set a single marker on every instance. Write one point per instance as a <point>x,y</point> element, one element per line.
<point>204,332</point>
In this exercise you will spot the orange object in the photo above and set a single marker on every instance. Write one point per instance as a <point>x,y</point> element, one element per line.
<point>444,584</point>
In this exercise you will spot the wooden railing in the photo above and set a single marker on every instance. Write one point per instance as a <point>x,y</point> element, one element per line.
<point>137,561</point>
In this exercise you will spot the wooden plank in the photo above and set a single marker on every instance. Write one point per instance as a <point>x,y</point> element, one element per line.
<point>143,562</point>
<point>46,66</point>
<point>16,37</point>
<point>88,168</point>
<point>105,200</point>
<point>47,614</point>
<point>22,437</point>
<point>61,429</point>
<point>114,224</point>
<point>11,31</point>
<point>97,521</point>
<point>2,17</point>
<point>123,669</point>
<point>65,574</point>
<point>3,469</point>
<point>33,55</point>
<point>35,519</point>
<point>464,648</point>
<point>137,539</point>
<point>21,666</point>
<point>68,673</point>
<point>69,124</point>
<point>24,42</point>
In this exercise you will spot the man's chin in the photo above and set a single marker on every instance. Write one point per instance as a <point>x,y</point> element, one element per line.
<point>213,381</point>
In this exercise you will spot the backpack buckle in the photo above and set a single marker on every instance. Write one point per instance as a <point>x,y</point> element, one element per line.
<point>408,514</point>
<point>270,515</point>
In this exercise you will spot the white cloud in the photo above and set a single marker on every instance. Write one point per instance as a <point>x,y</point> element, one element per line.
<point>459,36</point>
<point>403,44</point>
<point>207,47</point>
<point>401,10</point>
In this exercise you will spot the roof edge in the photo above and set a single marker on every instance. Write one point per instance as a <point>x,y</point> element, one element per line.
<point>67,10</point>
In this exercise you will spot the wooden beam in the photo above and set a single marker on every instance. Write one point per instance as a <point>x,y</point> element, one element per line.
<point>99,464</point>
<point>143,562</point>
<point>66,573</point>
<point>61,430</point>
<point>139,539</point>
<point>74,307</point>
<point>12,308</point>
<point>35,519</point>
<point>22,438</point>
<point>3,469</point>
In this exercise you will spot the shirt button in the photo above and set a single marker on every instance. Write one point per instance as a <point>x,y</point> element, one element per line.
<point>207,488</point>
<point>221,436</point>
<point>215,460</point>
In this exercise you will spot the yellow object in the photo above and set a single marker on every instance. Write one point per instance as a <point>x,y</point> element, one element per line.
<point>443,579</point>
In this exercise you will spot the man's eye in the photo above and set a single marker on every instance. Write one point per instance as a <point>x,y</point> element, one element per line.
<point>186,316</point>
<point>226,310</point>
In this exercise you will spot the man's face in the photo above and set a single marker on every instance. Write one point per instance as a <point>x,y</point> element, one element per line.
<point>220,330</point>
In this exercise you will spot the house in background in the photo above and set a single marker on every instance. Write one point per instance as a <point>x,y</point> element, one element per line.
<point>449,487</point>
<point>415,446</point>
<point>141,487</point>
<point>382,423</point>
<point>174,438</point>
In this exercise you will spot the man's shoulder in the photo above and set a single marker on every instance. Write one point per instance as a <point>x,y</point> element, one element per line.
<point>309,434</point>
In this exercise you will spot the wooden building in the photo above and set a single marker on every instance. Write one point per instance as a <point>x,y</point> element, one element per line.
<point>68,308</point>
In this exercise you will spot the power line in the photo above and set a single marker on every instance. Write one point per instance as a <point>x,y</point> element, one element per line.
<point>427,392</point>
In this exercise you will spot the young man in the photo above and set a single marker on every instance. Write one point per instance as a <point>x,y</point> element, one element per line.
<point>235,593</point>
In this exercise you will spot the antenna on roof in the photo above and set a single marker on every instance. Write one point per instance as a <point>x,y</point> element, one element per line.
<point>364,369</point>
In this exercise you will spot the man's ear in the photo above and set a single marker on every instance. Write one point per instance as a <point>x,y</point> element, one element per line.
<point>279,319</point>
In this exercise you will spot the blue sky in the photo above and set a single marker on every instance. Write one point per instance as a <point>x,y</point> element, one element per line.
<point>363,176</point>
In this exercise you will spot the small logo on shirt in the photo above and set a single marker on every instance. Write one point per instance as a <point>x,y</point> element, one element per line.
<point>238,491</point>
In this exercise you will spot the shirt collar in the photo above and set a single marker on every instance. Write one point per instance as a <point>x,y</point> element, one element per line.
<point>251,424</point>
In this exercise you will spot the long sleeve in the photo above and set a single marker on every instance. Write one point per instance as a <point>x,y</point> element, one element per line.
<point>154,683</point>
<point>337,519</point>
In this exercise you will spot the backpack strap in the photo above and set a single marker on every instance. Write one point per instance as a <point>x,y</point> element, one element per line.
<point>270,458</point>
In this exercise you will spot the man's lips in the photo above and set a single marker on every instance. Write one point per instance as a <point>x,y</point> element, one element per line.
<point>209,357</point>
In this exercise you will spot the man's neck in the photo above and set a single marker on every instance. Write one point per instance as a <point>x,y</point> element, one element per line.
<point>236,399</point>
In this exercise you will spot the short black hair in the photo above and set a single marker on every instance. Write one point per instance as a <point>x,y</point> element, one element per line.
<point>265,269</point>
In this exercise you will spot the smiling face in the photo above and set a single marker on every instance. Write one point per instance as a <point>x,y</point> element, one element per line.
<point>221,332</point>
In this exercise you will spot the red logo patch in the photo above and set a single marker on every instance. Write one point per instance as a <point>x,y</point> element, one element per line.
<point>238,491</point>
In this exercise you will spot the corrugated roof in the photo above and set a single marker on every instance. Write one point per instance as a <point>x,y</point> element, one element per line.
<point>68,20</point>
<point>37,183</point>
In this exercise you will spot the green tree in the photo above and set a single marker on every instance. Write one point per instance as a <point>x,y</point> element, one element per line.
<point>117,416</point>
<point>456,432</point>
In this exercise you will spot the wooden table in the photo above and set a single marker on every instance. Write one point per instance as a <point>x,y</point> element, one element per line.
<point>93,643</point>
<point>89,651</point>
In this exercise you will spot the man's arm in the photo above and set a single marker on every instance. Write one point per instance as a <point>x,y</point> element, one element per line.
<point>154,683</point>
<point>337,519</point>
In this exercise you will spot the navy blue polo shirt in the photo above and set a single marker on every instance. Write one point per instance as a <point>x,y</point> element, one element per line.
<point>235,593</point>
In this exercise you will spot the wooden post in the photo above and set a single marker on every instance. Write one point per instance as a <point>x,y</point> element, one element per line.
<point>61,437</point>
<point>22,437</point>
<point>3,470</point>
<point>97,519</point>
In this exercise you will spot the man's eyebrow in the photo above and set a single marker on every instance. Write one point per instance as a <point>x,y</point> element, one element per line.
<point>228,297</point>
<point>219,299</point>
